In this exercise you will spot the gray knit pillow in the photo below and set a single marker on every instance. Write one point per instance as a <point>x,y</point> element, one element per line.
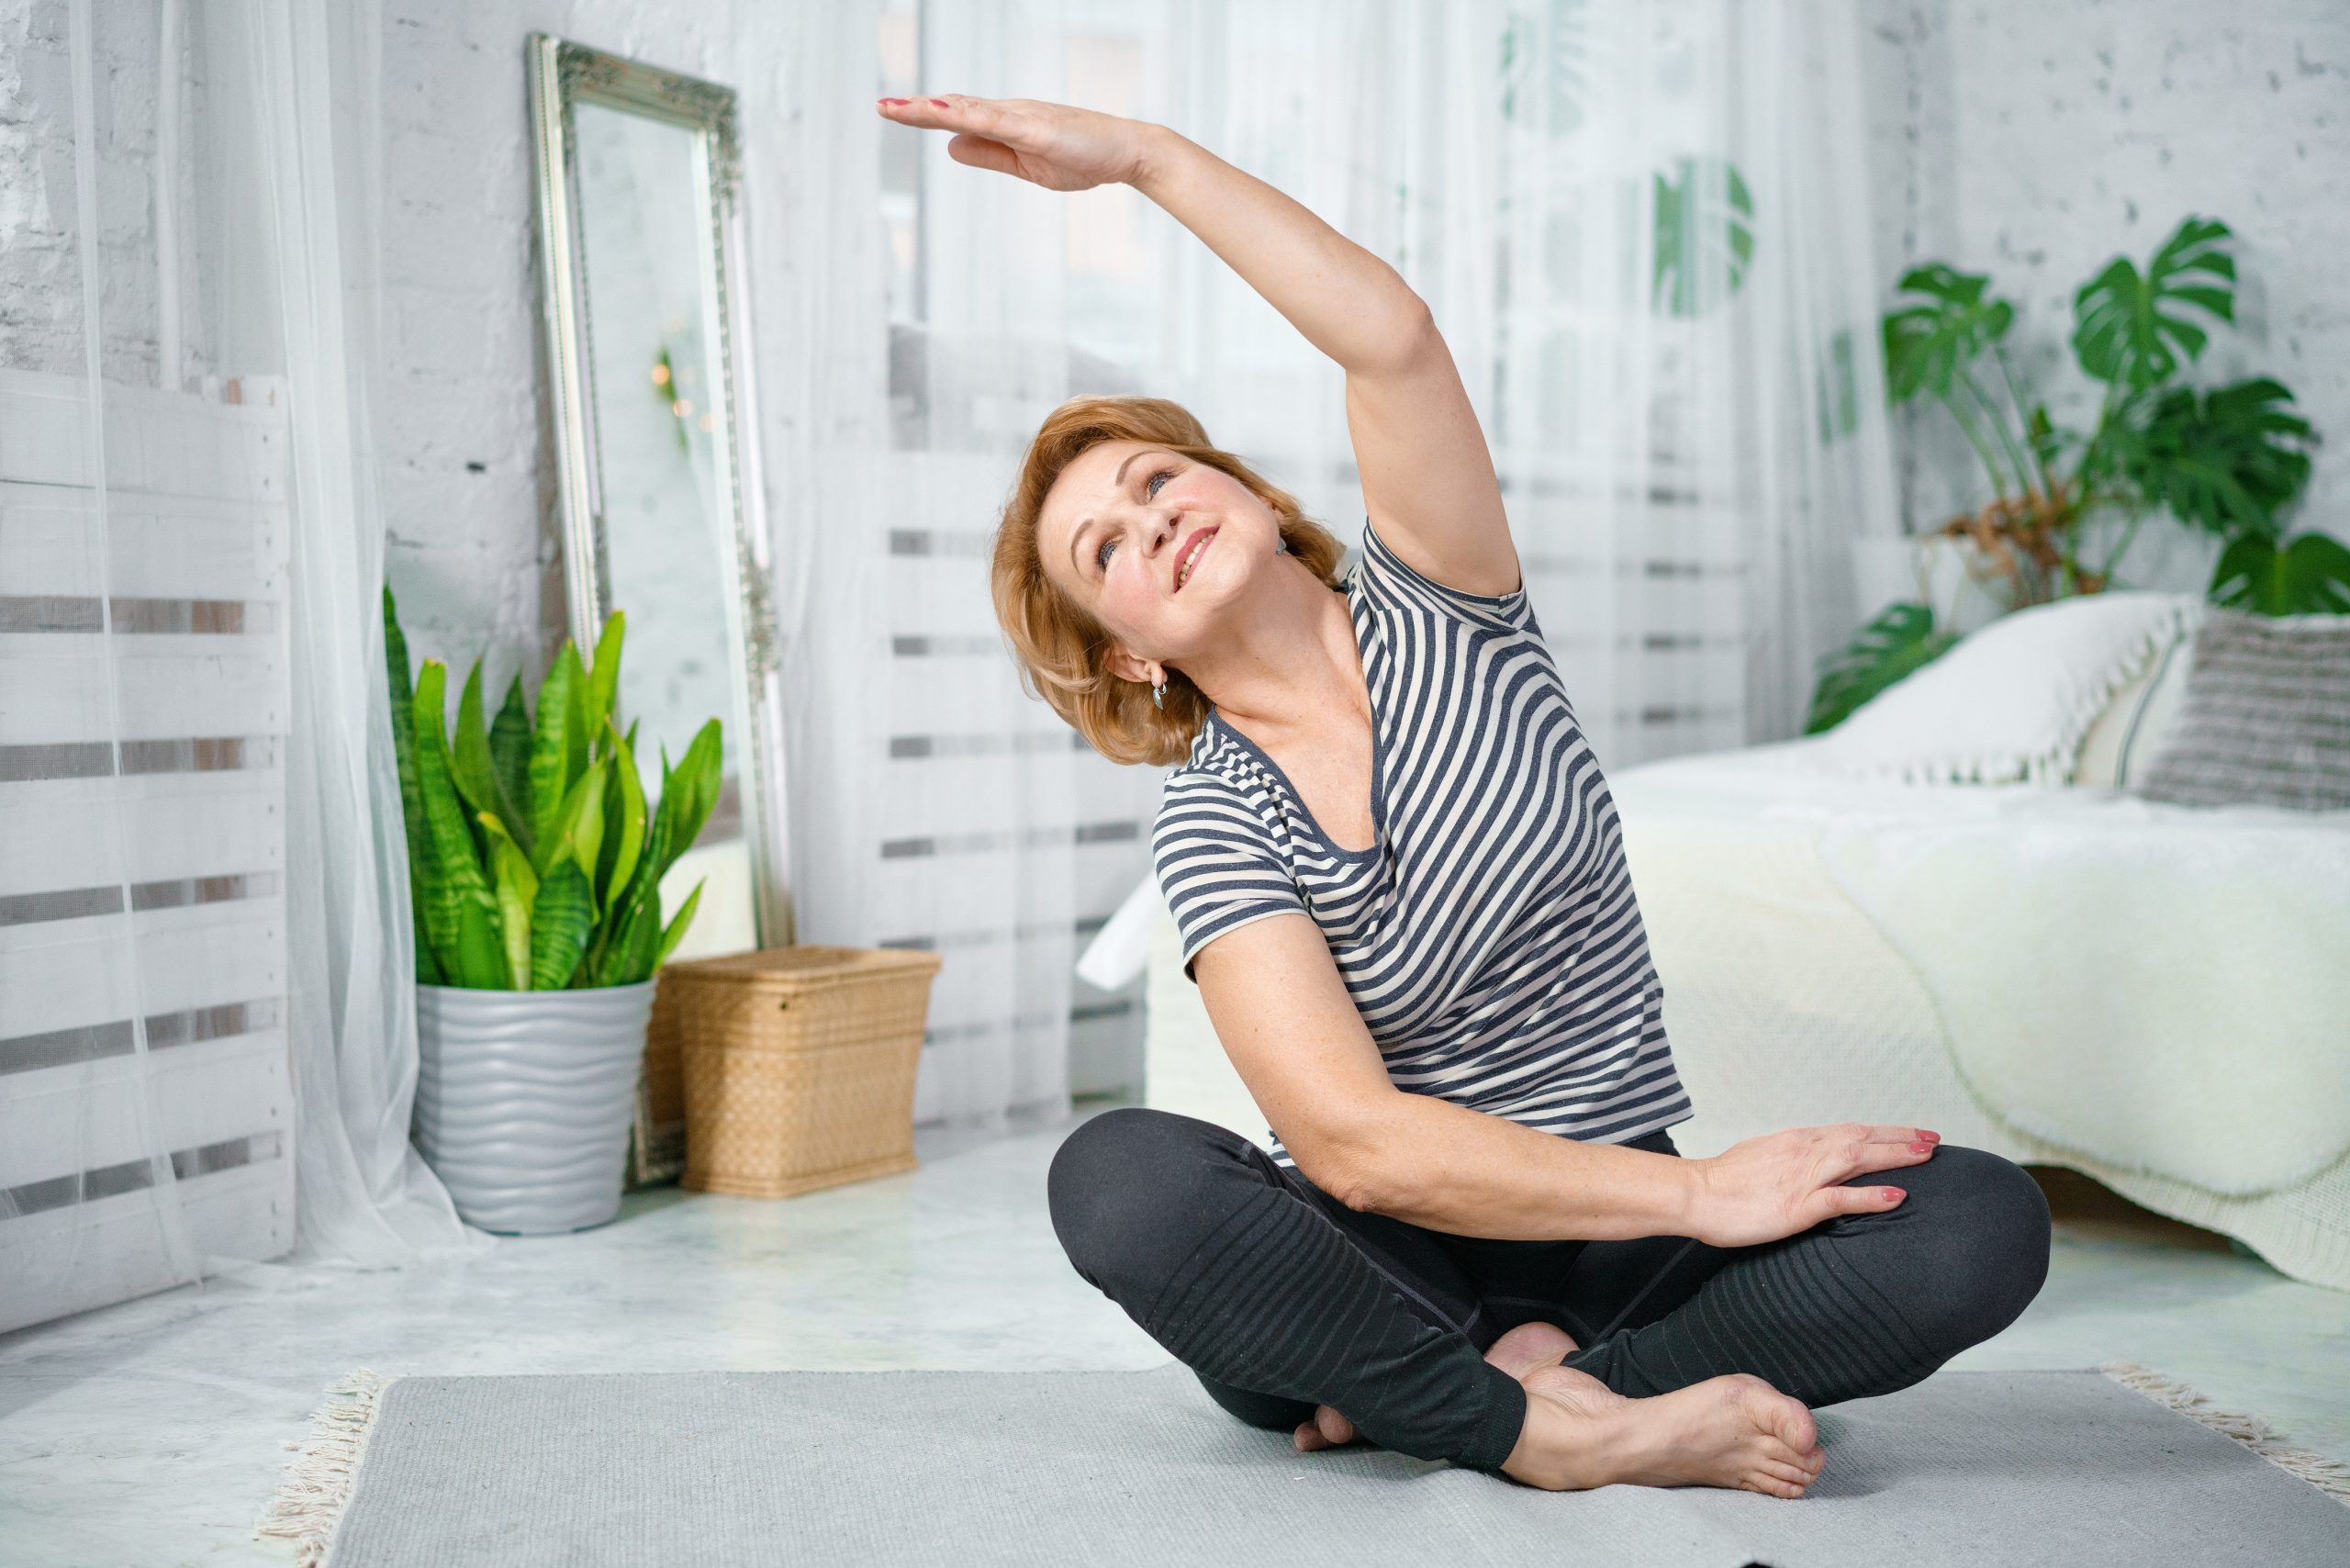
<point>2264,719</point>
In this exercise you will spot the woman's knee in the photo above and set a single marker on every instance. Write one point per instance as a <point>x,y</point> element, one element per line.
<point>1984,1231</point>
<point>1125,1181</point>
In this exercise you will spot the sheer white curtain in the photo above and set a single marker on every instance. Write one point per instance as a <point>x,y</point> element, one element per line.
<point>916,334</point>
<point>206,1053</point>
<point>1644,232</point>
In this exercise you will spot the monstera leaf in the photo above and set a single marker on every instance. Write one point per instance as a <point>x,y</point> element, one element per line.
<point>2309,575</point>
<point>1901,639</point>
<point>2129,324</point>
<point>1927,345</point>
<point>2226,461</point>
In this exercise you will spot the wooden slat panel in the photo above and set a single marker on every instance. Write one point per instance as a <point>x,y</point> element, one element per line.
<point>162,443</point>
<point>163,547</point>
<point>197,496</point>
<point>42,435</point>
<point>69,974</point>
<point>69,1259</point>
<point>61,832</point>
<point>88,1116</point>
<point>921,797</point>
<point>53,686</point>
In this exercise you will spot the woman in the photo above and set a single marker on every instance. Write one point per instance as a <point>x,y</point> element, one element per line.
<point>1402,891</point>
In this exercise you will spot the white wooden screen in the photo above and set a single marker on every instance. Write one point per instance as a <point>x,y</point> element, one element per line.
<point>153,895</point>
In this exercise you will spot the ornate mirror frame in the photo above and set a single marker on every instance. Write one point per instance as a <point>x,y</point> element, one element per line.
<point>563,74</point>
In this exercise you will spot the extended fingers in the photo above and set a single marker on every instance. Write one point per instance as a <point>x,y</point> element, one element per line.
<point>1865,1148</point>
<point>945,111</point>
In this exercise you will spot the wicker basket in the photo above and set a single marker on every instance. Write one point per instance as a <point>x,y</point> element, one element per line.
<point>799,1065</point>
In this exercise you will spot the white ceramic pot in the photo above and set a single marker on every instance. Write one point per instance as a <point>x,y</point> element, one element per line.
<point>524,1098</point>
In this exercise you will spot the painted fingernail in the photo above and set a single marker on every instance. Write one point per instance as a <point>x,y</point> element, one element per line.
<point>940,102</point>
<point>897,100</point>
<point>1892,1195</point>
<point>1921,1149</point>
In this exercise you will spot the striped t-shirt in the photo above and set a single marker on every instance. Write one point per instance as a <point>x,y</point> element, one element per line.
<point>1489,936</point>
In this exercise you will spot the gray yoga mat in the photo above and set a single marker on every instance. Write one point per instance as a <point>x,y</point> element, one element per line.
<point>2069,1468</point>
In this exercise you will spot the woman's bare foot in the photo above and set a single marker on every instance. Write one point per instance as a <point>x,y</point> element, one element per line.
<point>1517,1353</point>
<point>1531,1345</point>
<point>1735,1431</point>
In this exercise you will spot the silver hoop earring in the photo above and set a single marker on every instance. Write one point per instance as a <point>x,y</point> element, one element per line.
<point>1159,696</point>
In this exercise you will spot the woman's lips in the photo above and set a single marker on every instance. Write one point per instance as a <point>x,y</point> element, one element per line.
<point>1185,554</point>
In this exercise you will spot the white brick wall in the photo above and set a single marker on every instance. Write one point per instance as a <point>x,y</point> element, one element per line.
<point>2035,139</point>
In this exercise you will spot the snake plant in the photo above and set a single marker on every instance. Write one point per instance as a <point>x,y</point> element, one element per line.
<point>534,862</point>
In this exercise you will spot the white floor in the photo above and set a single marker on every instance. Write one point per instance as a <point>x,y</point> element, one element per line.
<point>150,1433</point>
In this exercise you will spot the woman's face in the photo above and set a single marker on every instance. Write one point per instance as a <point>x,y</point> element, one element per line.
<point>1120,525</point>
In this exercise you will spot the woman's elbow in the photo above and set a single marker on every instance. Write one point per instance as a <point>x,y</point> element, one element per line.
<point>1355,1167</point>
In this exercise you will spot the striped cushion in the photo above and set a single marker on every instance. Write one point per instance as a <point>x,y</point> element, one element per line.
<point>2264,719</point>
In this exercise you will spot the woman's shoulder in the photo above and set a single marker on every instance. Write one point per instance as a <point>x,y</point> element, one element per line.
<point>1386,582</point>
<point>1217,790</point>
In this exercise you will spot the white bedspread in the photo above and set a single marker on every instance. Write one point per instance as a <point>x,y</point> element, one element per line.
<point>2161,987</point>
<point>2158,986</point>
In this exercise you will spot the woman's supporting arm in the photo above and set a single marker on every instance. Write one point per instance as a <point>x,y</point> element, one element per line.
<point>1348,303</point>
<point>1429,1162</point>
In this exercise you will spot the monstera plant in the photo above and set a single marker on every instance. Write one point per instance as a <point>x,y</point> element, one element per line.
<point>2229,461</point>
<point>533,861</point>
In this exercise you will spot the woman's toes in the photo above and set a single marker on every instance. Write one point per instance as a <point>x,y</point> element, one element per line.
<point>1794,1426</point>
<point>1327,1429</point>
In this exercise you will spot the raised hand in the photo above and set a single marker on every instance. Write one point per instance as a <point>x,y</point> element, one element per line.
<point>1052,145</point>
<point>1783,1183</point>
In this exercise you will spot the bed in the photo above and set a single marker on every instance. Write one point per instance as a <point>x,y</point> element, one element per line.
<point>2062,973</point>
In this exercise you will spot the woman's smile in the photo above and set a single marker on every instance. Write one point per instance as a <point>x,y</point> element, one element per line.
<point>1194,548</point>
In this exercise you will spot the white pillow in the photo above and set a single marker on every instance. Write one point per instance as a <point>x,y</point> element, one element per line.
<point>2012,700</point>
<point>2134,724</point>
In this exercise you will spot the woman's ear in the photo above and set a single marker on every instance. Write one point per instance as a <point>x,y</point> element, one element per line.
<point>1125,667</point>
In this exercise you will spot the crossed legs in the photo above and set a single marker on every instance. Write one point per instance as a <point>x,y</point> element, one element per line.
<point>1280,1299</point>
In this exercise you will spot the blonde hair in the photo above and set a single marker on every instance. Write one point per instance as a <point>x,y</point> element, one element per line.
<point>1061,649</point>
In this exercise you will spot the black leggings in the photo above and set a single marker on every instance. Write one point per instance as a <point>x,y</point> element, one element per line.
<point>1280,1297</point>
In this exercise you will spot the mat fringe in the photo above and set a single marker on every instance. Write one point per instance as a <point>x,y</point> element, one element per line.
<point>2328,1475</point>
<point>309,1502</point>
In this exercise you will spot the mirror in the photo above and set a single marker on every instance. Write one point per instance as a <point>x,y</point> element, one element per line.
<point>640,235</point>
<point>640,217</point>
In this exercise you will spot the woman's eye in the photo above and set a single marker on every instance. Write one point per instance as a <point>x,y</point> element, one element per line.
<point>1101,555</point>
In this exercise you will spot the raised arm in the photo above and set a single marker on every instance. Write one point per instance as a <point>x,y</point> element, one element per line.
<point>1427,478</point>
<point>1347,302</point>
